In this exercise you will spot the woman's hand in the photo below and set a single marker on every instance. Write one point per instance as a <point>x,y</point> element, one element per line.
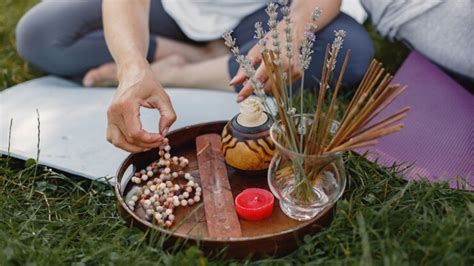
<point>255,56</point>
<point>301,11</point>
<point>138,87</point>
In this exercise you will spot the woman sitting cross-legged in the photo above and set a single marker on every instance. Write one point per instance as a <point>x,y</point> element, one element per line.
<point>143,45</point>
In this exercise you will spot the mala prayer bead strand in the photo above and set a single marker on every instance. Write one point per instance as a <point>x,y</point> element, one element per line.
<point>161,193</point>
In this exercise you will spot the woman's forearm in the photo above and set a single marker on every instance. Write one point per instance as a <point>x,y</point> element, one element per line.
<point>127,31</point>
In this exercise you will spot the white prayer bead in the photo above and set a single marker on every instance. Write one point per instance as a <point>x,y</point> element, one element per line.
<point>176,203</point>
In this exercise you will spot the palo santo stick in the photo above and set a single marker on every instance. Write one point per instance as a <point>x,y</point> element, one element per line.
<point>370,135</point>
<point>323,73</point>
<point>371,75</point>
<point>400,114</point>
<point>367,76</point>
<point>365,112</point>
<point>331,110</point>
<point>356,146</point>
<point>373,102</point>
<point>270,68</point>
<point>383,84</point>
<point>311,141</point>
<point>355,106</point>
<point>278,78</point>
<point>386,103</point>
<point>322,96</point>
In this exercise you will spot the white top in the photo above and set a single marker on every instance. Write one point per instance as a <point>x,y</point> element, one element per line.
<point>205,20</point>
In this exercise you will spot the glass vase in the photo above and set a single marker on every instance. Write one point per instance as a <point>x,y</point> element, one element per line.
<point>305,184</point>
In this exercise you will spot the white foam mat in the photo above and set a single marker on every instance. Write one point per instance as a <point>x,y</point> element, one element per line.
<point>73,122</point>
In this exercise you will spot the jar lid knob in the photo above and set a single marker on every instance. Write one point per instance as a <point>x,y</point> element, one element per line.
<point>251,113</point>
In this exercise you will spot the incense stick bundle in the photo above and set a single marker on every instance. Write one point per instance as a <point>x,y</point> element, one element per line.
<point>357,128</point>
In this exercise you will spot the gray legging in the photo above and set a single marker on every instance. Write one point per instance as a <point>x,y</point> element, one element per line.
<point>66,38</point>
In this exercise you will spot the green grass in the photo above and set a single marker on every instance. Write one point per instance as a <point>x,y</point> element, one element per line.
<point>52,219</point>
<point>13,70</point>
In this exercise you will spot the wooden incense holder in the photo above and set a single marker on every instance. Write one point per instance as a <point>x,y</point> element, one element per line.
<point>221,217</point>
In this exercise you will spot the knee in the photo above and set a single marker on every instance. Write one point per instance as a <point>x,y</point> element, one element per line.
<point>30,38</point>
<point>37,40</point>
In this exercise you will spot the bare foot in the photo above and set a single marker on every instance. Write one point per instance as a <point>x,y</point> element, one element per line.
<point>102,76</point>
<point>192,53</point>
<point>167,68</point>
<point>106,74</point>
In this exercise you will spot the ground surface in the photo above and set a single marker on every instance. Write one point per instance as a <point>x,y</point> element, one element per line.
<point>49,218</point>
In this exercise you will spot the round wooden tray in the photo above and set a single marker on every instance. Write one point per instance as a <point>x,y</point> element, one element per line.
<point>275,236</point>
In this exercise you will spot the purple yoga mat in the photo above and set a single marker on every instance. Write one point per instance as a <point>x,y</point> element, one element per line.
<point>438,138</point>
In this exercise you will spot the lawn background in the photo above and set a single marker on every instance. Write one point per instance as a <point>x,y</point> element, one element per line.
<point>49,218</point>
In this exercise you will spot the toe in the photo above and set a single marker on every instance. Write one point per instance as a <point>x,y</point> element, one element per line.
<point>90,78</point>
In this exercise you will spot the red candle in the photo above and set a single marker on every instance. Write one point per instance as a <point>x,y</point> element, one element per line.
<point>254,204</point>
